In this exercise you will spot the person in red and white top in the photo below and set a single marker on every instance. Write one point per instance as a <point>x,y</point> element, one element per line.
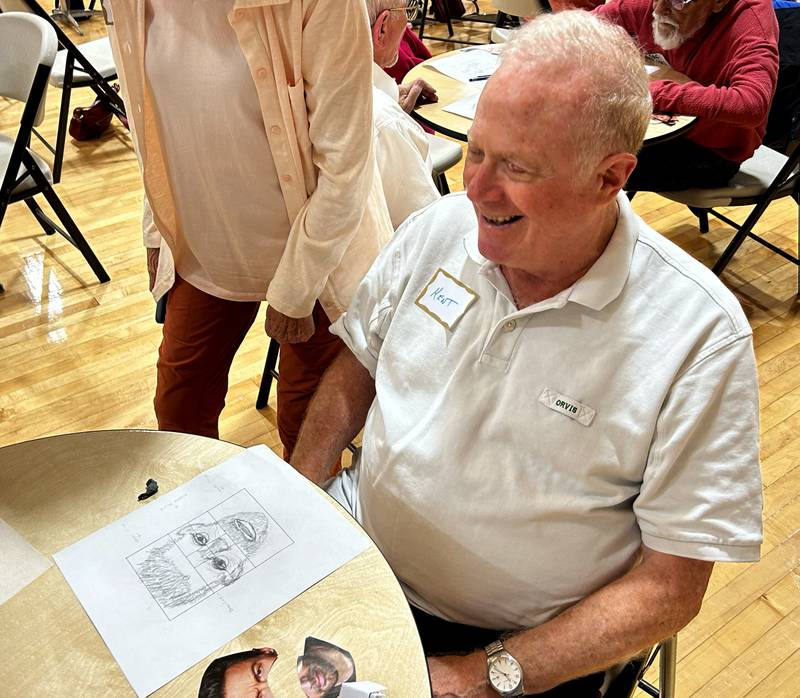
<point>729,50</point>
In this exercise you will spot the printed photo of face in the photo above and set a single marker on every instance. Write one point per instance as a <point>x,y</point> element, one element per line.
<point>239,675</point>
<point>323,668</point>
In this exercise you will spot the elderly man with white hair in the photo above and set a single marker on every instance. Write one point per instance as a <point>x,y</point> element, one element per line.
<point>401,146</point>
<point>561,410</point>
<point>729,51</point>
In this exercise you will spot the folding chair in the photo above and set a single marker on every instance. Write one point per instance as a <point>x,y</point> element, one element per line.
<point>444,155</point>
<point>509,13</point>
<point>28,48</point>
<point>442,5</point>
<point>91,65</point>
<point>63,13</point>
<point>765,177</point>
<point>631,677</point>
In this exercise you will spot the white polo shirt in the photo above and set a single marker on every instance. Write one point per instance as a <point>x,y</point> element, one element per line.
<point>514,463</point>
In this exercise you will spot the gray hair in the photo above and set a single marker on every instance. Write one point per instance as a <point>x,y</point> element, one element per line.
<point>602,67</point>
<point>375,7</point>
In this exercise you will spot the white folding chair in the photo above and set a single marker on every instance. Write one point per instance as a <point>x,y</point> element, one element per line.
<point>28,48</point>
<point>444,155</point>
<point>90,65</point>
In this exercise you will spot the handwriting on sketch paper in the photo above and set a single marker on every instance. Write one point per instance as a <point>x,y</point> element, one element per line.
<point>208,553</point>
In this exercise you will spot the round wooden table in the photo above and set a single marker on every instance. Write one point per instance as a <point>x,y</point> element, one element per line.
<point>451,90</point>
<point>56,490</point>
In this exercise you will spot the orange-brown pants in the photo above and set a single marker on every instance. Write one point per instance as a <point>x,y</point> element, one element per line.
<point>201,336</point>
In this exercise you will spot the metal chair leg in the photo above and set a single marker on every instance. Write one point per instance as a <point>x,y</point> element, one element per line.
<point>63,118</point>
<point>441,183</point>
<point>702,218</point>
<point>269,373</point>
<point>741,235</point>
<point>41,218</point>
<point>423,18</point>
<point>666,666</point>
<point>74,235</point>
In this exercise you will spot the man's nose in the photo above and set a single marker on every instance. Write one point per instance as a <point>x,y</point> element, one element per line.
<point>482,184</point>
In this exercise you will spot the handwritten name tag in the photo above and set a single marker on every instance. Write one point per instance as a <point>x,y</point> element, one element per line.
<point>445,298</point>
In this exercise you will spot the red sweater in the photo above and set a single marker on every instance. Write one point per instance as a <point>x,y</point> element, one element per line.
<point>411,52</point>
<point>733,64</point>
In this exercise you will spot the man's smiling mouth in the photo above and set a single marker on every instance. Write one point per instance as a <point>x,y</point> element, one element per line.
<point>501,220</point>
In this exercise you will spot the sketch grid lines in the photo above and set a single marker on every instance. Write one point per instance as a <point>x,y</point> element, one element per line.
<point>212,551</point>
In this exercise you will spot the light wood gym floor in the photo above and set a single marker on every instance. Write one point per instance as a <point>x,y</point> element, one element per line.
<point>76,355</point>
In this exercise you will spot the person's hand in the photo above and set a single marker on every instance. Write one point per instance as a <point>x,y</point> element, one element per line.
<point>152,265</point>
<point>289,330</point>
<point>412,92</point>
<point>454,676</point>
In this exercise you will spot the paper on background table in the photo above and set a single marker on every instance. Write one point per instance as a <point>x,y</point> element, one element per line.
<point>465,106</point>
<point>652,68</point>
<point>21,562</point>
<point>154,584</point>
<point>466,64</point>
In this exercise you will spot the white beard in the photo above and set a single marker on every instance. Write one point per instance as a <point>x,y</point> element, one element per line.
<point>666,32</point>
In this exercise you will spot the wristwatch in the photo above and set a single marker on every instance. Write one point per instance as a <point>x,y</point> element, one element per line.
<point>505,672</point>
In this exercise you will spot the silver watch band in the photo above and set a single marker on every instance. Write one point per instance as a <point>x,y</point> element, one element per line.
<point>494,647</point>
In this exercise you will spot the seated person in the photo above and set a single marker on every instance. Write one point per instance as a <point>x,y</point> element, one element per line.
<point>728,50</point>
<point>401,146</point>
<point>411,52</point>
<point>561,406</point>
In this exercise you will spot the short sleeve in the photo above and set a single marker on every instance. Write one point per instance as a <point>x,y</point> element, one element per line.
<point>364,325</point>
<point>701,491</point>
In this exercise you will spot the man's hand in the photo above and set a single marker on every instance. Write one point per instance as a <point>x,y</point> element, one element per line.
<point>152,265</point>
<point>454,676</point>
<point>411,92</point>
<point>289,330</point>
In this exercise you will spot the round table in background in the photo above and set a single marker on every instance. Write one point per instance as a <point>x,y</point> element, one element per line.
<point>55,491</point>
<point>451,90</point>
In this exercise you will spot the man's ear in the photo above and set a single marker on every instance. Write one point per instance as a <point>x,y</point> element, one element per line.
<point>379,29</point>
<point>613,173</point>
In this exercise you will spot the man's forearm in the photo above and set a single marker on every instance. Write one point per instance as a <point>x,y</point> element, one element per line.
<point>651,602</point>
<point>335,416</point>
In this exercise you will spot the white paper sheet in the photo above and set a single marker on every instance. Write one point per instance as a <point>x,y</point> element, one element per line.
<point>466,64</point>
<point>170,583</point>
<point>21,562</point>
<point>465,106</point>
<point>652,68</point>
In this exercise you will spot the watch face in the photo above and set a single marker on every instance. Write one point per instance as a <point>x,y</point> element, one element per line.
<point>505,673</point>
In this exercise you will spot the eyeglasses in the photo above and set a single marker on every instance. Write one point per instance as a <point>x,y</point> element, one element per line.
<point>412,9</point>
<point>677,5</point>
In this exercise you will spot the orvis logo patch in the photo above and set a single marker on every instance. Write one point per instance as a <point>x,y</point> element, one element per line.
<point>569,407</point>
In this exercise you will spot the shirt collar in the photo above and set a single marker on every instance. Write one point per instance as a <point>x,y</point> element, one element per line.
<point>384,82</point>
<point>606,277</point>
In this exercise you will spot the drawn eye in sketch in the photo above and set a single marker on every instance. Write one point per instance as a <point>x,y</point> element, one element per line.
<point>196,536</point>
<point>200,538</point>
<point>247,529</point>
<point>222,568</point>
